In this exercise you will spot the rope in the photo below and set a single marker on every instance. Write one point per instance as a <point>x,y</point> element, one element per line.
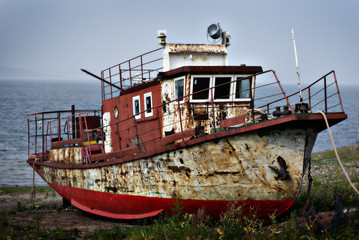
<point>33,191</point>
<point>336,153</point>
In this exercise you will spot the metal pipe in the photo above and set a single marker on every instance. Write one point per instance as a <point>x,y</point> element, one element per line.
<point>110,82</point>
<point>142,68</point>
<point>285,96</point>
<point>213,116</point>
<point>35,134</point>
<point>296,61</point>
<point>102,87</point>
<point>252,99</point>
<point>180,117</point>
<point>73,121</point>
<point>102,79</point>
<point>336,83</point>
<point>325,94</point>
<point>120,72</point>
<point>43,132</point>
<point>28,136</point>
<point>129,67</point>
<point>58,127</point>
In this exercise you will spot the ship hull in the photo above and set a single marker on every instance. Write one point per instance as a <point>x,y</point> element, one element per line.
<point>212,175</point>
<point>121,206</point>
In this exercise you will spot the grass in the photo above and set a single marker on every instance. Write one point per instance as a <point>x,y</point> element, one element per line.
<point>329,182</point>
<point>347,154</point>
<point>24,190</point>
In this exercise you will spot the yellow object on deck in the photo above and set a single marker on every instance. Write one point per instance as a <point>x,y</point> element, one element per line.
<point>89,143</point>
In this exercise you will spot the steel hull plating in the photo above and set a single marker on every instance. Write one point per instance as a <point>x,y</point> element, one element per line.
<point>206,175</point>
<point>121,206</point>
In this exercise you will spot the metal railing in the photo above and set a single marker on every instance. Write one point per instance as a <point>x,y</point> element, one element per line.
<point>319,95</point>
<point>67,134</point>
<point>125,75</point>
<point>130,135</point>
<point>41,132</point>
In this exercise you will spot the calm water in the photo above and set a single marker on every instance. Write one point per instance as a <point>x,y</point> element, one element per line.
<point>18,98</point>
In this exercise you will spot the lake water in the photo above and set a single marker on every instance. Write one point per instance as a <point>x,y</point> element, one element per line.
<point>18,98</point>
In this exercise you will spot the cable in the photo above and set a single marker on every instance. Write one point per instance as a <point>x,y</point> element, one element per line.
<point>336,153</point>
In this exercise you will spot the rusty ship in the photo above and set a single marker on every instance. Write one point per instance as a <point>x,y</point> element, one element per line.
<point>180,124</point>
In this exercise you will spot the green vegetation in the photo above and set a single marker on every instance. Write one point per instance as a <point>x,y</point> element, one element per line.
<point>347,154</point>
<point>231,225</point>
<point>24,190</point>
<point>329,182</point>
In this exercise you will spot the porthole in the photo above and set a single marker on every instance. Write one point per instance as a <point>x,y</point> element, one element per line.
<point>180,161</point>
<point>115,112</point>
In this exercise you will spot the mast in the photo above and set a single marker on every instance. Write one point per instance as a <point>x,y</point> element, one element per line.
<point>296,61</point>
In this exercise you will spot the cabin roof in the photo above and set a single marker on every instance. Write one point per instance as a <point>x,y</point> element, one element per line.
<point>210,70</point>
<point>195,48</point>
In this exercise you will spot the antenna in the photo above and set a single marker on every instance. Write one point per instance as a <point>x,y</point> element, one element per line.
<point>296,61</point>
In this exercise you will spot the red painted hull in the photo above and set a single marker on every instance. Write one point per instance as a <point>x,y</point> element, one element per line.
<point>120,206</point>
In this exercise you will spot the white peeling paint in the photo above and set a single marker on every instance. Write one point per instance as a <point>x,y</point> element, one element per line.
<point>107,130</point>
<point>167,96</point>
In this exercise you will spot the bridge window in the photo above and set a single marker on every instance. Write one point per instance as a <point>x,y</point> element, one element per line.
<point>242,88</point>
<point>222,87</point>
<point>200,86</point>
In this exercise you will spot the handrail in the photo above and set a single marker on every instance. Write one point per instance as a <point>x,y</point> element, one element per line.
<point>154,136</point>
<point>127,72</point>
<point>157,49</point>
<point>38,140</point>
<point>309,94</point>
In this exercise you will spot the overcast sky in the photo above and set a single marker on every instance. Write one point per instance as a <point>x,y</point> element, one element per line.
<point>54,39</point>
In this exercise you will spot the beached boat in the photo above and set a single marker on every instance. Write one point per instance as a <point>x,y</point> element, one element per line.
<point>181,124</point>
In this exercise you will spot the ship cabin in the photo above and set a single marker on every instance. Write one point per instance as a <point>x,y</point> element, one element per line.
<point>195,93</point>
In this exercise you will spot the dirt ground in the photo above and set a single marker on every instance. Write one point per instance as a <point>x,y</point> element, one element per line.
<point>18,211</point>
<point>16,208</point>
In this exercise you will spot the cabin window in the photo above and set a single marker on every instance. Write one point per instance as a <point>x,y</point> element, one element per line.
<point>136,107</point>
<point>179,89</point>
<point>242,88</point>
<point>148,104</point>
<point>222,87</point>
<point>199,84</point>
